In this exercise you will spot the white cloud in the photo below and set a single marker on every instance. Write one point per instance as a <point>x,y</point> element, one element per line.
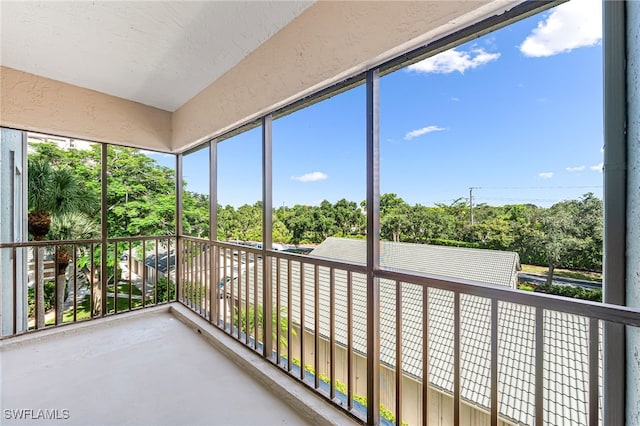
<point>575,169</point>
<point>154,153</point>
<point>571,25</point>
<point>597,167</point>
<point>454,60</point>
<point>454,99</point>
<point>546,175</point>
<point>310,177</point>
<point>419,132</point>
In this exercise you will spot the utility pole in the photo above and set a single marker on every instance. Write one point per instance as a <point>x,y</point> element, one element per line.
<point>471,188</point>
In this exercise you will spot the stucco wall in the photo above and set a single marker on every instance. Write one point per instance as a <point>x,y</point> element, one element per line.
<point>326,43</point>
<point>440,404</point>
<point>633,208</point>
<point>31,102</point>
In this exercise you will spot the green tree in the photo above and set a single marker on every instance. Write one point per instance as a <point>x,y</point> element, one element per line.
<point>394,217</point>
<point>227,222</point>
<point>557,238</point>
<point>348,217</point>
<point>249,222</point>
<point>589,221</point>
<point>69,226</point>
<point>298,221</point>
<point>51,192</point>
<point>323,222</point>
<point>140,193</point>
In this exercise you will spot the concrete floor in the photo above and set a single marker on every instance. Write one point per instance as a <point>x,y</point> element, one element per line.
<point>146,368</point>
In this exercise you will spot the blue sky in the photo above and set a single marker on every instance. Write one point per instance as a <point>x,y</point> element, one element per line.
<point>516,114</point>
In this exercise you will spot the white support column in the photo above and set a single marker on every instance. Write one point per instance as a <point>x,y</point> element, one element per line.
<point>633,207</point>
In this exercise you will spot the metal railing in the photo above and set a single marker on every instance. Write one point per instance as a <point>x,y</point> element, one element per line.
<point>497,354</point>
<point>52,283</point>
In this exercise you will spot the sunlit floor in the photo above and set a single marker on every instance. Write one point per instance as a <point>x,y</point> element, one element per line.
<point>145,368</point>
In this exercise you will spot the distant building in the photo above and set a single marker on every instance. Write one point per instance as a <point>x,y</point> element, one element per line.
<point>566,336</point>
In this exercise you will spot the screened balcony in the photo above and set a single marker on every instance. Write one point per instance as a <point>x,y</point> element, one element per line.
<point>193,327</point>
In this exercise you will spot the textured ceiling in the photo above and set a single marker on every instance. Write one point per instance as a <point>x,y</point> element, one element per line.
<point>157,53</point>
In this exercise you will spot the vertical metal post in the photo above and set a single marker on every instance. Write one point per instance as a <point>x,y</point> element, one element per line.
<point>168,269</point>
<point>255,302</point>
<point>289,316</point>
<point>213,229</point>
<point>217,280</point>
<point>332,333</point>
<point>267,217</point>
<point>425,356</point>
<point>39,278</point>
<point>213,190</point>
<point>92,307</point>
<point>103,252</point>
<point>247,332</point>
<point>539,367</point>
<point>398,353</point>
<point>14,268</point>
<point>224,287</point>
<point>155,281</point>
<point>615,205</point>
<point>277,313</point>
<point>144,271</point>
<point>55,272</point>
<point>179,252</point>
<point>302,321</point>
<point>494,362</point>
<point>232,285</point>
<point>456,359</point>
<point>350,340</point>
<point>201,265</point>
<point>75,282</point>
<point>115,278</point>
<point>316,326</point>
<point>239,308</point>
<point>594,367</point>
<point>130,281</point>
<point>373,248</point>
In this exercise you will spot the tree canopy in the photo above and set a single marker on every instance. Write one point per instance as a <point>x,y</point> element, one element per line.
<point>141,201</point>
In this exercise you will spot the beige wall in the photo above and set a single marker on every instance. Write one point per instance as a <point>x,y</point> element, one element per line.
<point>326,43</point>
<point>441,404</point>
<point>31,102</point>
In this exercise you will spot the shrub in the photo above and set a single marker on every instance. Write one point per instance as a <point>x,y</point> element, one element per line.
<point>49,297</point>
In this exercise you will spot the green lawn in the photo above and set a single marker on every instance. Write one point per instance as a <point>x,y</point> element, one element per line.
<point>566,273</point>
<point>84,309</point>
<point>124,289</point>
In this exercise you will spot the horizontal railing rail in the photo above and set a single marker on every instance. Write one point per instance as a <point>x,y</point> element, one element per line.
<point>603,311</point>
<point>59,282</point>
<point>48,243</point>
<point>320,331</point>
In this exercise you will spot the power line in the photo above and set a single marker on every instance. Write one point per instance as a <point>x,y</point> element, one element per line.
<point>539,187</point>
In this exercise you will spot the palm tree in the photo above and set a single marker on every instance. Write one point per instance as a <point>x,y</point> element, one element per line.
<point>51,192</point>
<point>69,226</point>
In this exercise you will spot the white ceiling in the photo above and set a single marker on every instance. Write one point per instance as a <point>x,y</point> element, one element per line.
<point>156,53</point>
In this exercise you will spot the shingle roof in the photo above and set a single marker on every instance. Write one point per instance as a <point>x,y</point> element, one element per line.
<point>488,266</point>
<point>566,336</point>
<point>565,343</point>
